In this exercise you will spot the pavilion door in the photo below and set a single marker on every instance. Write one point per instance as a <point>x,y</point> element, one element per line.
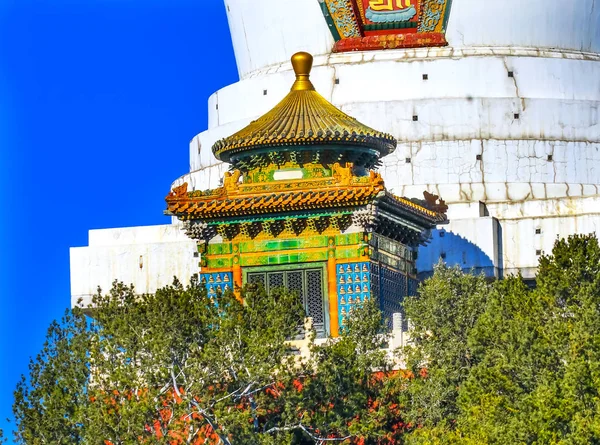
<point>308,283</point>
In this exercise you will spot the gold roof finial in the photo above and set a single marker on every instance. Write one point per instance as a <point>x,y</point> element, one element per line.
<point>302,63</point>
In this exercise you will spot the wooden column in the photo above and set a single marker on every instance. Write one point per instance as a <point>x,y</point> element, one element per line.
<point>236,270</point>
<point>334,325</point>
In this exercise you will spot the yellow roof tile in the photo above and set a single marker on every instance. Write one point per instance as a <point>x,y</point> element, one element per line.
<point>302,118</point>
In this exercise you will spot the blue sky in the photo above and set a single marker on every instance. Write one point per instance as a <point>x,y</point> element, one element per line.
<point>98,102</point>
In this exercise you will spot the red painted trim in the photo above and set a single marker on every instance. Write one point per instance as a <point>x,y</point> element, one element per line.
<point>391,41</point>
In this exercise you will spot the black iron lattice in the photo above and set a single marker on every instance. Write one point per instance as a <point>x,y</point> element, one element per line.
<point>295,282</point>
<point>314,296</point>
<point>276,279</point>
<point>413,285</point>
<point>307,283</point>
<point>375,281</point>
<point>257,278</point>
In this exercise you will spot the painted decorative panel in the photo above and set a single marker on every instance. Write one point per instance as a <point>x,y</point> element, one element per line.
<point>348,239</point>
<point>353,287</point>
<point>340,14</point>
<point>219,248</point>
<point>389,14</point>
<point>288,170</point>
<point>283,258</point>
<point>359,25</point>
<point>216,262</point>
<point>276,245</point>
<point>217,282</point>
<point>349,252</point>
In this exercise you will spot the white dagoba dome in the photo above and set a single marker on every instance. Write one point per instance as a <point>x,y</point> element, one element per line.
<point>267,32</point>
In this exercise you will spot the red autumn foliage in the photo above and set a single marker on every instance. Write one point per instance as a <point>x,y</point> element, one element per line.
<point>207,435</point>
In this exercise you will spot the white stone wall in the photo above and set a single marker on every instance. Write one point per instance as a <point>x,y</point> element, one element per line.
<point>465,108</point>
<point>266,32</point>
<point>512,241</point>
<point>147,257</point>
<point>553,218</point>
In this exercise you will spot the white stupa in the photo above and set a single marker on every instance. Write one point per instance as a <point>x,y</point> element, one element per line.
<point>500,118</point>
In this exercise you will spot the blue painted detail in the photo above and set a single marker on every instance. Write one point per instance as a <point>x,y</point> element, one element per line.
<point>432,15</point>
<point>217,282</point>
<point>353,287</point>
<point>455,250</point>
<point>343,16</point>
<point>403,15</point>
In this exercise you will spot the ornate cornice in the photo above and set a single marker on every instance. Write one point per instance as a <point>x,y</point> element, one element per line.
<point>296,206</point>
<point>342,190</point>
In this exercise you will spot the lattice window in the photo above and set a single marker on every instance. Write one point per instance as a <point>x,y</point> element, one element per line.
<point>314,296</point>
<point>275,279</point>
<point>308,284</point>
<point>375,280</point>
<point>295,282</point>
<point>257,278</point>
<point>413,284</point>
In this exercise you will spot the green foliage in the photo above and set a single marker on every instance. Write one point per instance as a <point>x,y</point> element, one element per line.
<point>489,362</point>
<point>539,380</point>
<point>442,317</point>
<point>507,364</point>
<point>196,357</point>
<point>47,404</point>
<point>177,367</point>
<point>340,386</point>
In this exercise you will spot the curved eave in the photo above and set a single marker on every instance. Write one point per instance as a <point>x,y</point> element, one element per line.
<point>383,147</point>
<point>334,198</point>
<point>405,208</point>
